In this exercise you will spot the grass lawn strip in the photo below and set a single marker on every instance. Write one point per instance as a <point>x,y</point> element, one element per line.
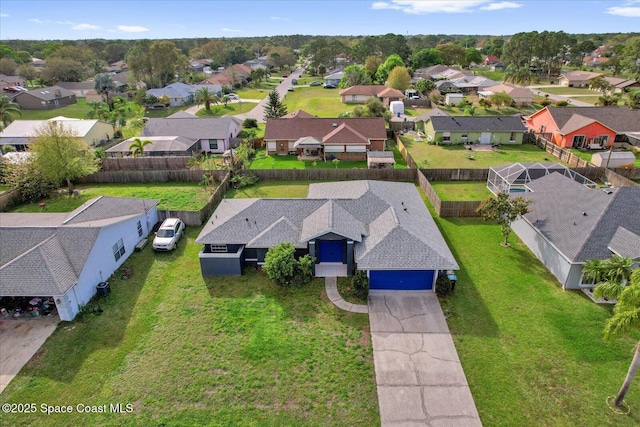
<point>188,351</point>
<point>461,190</point>
<point>172,195</point>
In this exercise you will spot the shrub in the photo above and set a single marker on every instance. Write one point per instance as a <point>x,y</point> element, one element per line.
<point>360,285</point>
<point>443,286</point>
<point>281,266</point>
<point>243,179</point>
<point>8,148</point>
<point>249,123</point>
<point>561,103</point>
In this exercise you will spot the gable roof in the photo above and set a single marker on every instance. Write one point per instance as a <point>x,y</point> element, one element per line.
<point>512,91</point>
<point>47,93</point>
<point>477,123</point>
<point>30,128</point>
<point>298,113</point>
<point>380,91</point>
<point>625,243</point>
<point>44,254</point>
<point>578,75</point>
<point>388,221</point>
<point>190,127</point>
<point>293,129</point>
<point>619,119</point>
<point>580,222</point>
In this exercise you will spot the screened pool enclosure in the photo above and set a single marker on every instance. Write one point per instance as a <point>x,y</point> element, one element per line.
<point>513,178</point>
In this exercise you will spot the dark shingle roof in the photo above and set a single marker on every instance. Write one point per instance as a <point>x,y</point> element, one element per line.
<point>190,127</point>
<point>370,127</point>
<point>620,119</point>
<point>458,124</point>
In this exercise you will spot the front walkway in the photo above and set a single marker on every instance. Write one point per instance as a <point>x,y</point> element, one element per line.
<point>331,287</point>
<point>419,376</point>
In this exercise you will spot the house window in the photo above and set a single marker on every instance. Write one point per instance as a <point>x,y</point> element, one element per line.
<point>578,141</point>
<point>218,248</point>
<point>602,140</point>
<point>512,137</point>
<point>463,136</point>
<point>543,128</point>
<point>446,136</point>
<point>118,249</point>
<point>213,144</point>
<point>139,228</point>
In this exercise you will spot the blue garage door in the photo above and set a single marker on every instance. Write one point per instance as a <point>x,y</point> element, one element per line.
<point>407,280</point>
<point>330,251</point>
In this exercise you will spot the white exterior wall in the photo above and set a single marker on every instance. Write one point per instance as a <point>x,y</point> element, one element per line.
<point>558,265</point>
<point>101,263</point>
<point>223,144</point>
<point>100,131</point>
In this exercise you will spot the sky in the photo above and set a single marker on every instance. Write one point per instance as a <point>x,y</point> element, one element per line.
<point>163,19</point>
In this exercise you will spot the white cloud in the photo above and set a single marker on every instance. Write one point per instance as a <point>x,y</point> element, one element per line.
<point>230,30</point>
<point>83,27</point>
<point>278,18</point>
<point>4,15</point>
<point>38,21</point>
<point>629,11</point>
<point>419,7</point>
<point>501,5</point>
<point>132,29</point>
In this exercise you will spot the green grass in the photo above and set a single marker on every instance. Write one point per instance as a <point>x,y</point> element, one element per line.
<point>493,111</point>
<point>271,189</point>
<point>77,111</point>
<point>232,109</point>
<point>317,101</point>
<point>564,90</point>
<point>455,156</point>
<point>497,76</point>
<point>172,195</point>
<point>184,350</point>
<point>253,92</point>
<point>532,353</point>
<point>586,155</point>
<point>4,188</point>
<point>588,99</point>
<point>344,289</point>
<point>160,113</point>
<point>461,190</point>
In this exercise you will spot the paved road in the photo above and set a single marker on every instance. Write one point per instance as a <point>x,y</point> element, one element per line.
<point>553,97</point>
<point>419,375</point>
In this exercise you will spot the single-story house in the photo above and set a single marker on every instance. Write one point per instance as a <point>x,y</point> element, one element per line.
<point>520,95</point>
<point>621,85</point>
<point>422,118</point>
<point>473,84</point>
<point>453,98</point>
<point>440,72</point>
<point>45,98</point>
<point>181,93</point>
<point>490,60</point>
<point>570,224</point>
<point>577,78</point>
<point>342,138</point>
<point>213,134</point>
<point>199,65</point>
<point>64,256</point>
<point>361,93</point>
<point>80,89</point>
<point>9,81</point>
<point>382,228</point>
<point>446,86</point>
<point>492,130</point>
<point>19,133</point>
<point>333,79</point>
<point>584,127</point>
<point>160,146</point>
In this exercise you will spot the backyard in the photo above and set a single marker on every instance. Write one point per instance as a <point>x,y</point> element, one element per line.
<point>458,156</point>
<point>461,190</point>
<point>75,111</point>
<point>172,195</point>
<point>316,100</point>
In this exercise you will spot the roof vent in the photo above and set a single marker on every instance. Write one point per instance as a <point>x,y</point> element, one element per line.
<point>334,125</point>
<point>584,214</point>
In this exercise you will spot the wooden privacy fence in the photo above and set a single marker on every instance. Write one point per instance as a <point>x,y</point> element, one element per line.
<point>335,174</point>
<point>405,154</point>
<point>456,174</point>
<point>448,208</point>
<point>126,176</point>
<point>150,162</point>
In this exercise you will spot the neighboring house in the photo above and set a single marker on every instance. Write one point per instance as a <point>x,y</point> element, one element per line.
<point>19,133</point>
<point>453,98</point>
<point>594,61</point>
<point>361,93</point>
<point>473,84</point>
<point>621,85</point>
<point>475,129</point>
<point>260,62</point>
<point>490,60</point>
<point>243,71</point>
<point>117,67</point>
<point>45,98</point>
<point>333,79</point>
<point>214,134</point>
<point>299,114</point>
<point>66,255</point>
<point>160,146</point>
<point>181,93</point>
<point>199,65</point>
<point>342,138</point>
<point>440,72</point>
<point>577,78</point>
<point>235,75</point>
<point>9,81</point>
<point>585,127</point>
<point>80,89</point>
<point>570,224</point>
<point>382,228</point>
<point>445,86</point>
<point>520,95</point>
<point>422,118</point>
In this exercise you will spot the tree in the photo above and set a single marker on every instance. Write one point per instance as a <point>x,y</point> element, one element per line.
<point>608,100</point>
<point>96,66</point>
<point>471,54</point>
<point>354,75</point>
<point>504,210</point>
<point>391,62</point>
<point>8,66</point>
<point>633,100</point>
<point>27,72</point>
<point>426,58</point>
<point>155,62</point>
<point>371,64</point>
<point>62,156</point>
<point>280,263</point>
<point>104,85</point>
<point>274,108</point>
<point>621,282</point>
<point>137,147</point>
<point>28,177</point>
<point>63,70</point>
<point>452,54</point>
<point>8,109</point>
<point>424,86</point>
<point>600,84</point>
<point>206,97</point>
<point>399,78</point>
<point>500,98</point>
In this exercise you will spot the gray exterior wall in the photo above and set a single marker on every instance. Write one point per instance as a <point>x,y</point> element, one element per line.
<point>220,263</point>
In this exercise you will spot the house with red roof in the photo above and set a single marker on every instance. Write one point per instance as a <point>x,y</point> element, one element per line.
<point>325,138</point>
<point>361,93</point>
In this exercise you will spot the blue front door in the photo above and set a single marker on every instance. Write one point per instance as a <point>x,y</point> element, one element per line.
<point>330,251</point>
<point>407,280</point>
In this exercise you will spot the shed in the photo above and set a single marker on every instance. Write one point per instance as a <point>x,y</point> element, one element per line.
<point>396,107</point>
<point>380,160</point>
<point>614,159</point>
<point>453,98</point>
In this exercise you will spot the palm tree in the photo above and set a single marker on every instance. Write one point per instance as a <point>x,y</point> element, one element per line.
<point>7,109</point>
<point>206,97</point>
<point>612,276</point>
<point>626,318</point>
<point>137,147</point>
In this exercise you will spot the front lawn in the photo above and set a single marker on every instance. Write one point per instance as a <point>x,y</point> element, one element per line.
<point>461,190</point>
<point>564,90</point>
<point>75,111</point>
<point>532,353</point>
<point>458,156</point>
<point>172,195</point>
<point>316,100</point>
<point>232,108</point>
<point>183,350</point>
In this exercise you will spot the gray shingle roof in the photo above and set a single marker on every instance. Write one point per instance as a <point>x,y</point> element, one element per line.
<point>578,221</point>
<point>475,123</point>
<point>192,127</point>
<point>625,243</point>
<point>388,220</point>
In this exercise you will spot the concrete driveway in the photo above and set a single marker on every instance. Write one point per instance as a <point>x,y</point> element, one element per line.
<point>20,339</point>
<point>419,377</point>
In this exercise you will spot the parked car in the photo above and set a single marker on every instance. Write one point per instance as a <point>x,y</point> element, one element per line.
<point>315,83</point>
<point>290,88</point>
<point>233,96</point>
<point>329,86</point>
<point>167,236</point>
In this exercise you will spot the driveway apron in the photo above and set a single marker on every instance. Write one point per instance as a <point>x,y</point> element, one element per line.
<point>419,377</point>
